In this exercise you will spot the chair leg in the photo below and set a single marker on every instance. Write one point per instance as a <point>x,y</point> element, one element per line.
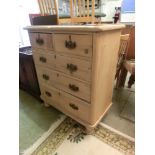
<point>131,80</point>
<point>122,77</point>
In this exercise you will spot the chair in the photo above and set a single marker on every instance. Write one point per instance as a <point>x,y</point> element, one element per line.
<point>124,42</point>
<point>124,65</point>
<point>48,7</point>
<point>128,66</point>
<point>81,11</point>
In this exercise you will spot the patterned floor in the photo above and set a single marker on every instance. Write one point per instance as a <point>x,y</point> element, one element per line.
<point>35,119</point>
<point>70,138</point>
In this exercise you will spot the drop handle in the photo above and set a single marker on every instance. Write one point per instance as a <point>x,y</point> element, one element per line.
<point>42,59</point>
<point>72,67</point>
<point>70,44</point>
<point>46,77</point>
<point>73,106</point>
<point>39,41</point>
<point>73,87</point>
<point>48,94</point>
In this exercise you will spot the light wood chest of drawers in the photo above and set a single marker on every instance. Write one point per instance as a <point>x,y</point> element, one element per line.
<point>75,67</point>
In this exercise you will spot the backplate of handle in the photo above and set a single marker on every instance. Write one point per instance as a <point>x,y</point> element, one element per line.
<point>70,44</point>
<point>73,106</point>
<point>48,93</point>
<point>42,59</point>
<point>46,77</point>
<point>73,87</point>
<point>72,67</point>
<point>39,41</point>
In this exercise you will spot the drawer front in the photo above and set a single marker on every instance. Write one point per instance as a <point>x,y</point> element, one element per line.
<point>41,40</point>
<point>63,82</point>
<point>50,95</point>
<point>74,67</point>
<point>80,45</point>
<point>66,102</point>
<point>44,59</point>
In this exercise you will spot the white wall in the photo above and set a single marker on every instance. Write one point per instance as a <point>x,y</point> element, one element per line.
<point>108,7</point>
<point>25,7</point>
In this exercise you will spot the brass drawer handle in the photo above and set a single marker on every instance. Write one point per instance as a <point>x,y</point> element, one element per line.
<point>72,68</point>
<point>42,59</point>
<point>40,41</point>
<point>73,87</point>
<point>70,44</point>
<point>46,77</point>
<point>73,106</point>
<point>86,51</point>
<point>48,93</point>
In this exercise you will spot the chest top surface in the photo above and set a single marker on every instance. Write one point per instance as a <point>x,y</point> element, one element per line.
<point>77,28</point>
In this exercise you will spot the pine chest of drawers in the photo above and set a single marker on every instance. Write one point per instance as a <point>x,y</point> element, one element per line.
<point>76,67</point>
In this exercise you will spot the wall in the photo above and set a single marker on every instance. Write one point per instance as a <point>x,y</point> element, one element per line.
<point>24,8</point>
<point>108,7</point>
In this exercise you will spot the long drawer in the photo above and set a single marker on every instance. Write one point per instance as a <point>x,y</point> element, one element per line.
<point>75,67</point>
<point>66,102</point>
<point>80,45</point>
<point>78,68</point>
<point>41,40</point>
<point>63,82</point>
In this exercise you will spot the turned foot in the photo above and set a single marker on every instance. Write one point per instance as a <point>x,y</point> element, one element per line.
<point>89,130</point>
<point>46,104</point>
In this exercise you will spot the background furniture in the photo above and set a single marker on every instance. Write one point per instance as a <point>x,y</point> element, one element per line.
<point>27,73</point>
<point>32,16</point>
<point>81,11</point>
<point>123,48</point>
<point>128,66</point>
<point>130,56</point>
<point>71,64</point>
<point>130,29</point>
<point>45,20</point>
<point>84,11</point>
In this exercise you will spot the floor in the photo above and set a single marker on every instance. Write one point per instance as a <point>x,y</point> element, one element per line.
<point>121,98</point>
<point>35,118</point>
<point>123,101</point>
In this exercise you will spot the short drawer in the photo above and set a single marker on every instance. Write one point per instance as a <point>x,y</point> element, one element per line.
<point>80,45</point>
<point>74,67</point>
<point>44,59</point>
<point>66,102</point>
<point>50,95</point>
<point>63,82</point>
<point>41,40</point>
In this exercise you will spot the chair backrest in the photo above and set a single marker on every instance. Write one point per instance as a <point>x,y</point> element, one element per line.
<point>82,11</point>
<point>48,7</point>
<point>123,48</point>
<point>124,43</point>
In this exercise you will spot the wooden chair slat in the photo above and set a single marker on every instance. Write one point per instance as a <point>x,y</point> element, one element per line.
<point>44,7</point>
<point>49,6</point>
<point>41,11</point>
<point>76,7</point>
<point>55,7</point>
<point>83,4</point>
<point>87,8</point>
<point>93,10</point>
